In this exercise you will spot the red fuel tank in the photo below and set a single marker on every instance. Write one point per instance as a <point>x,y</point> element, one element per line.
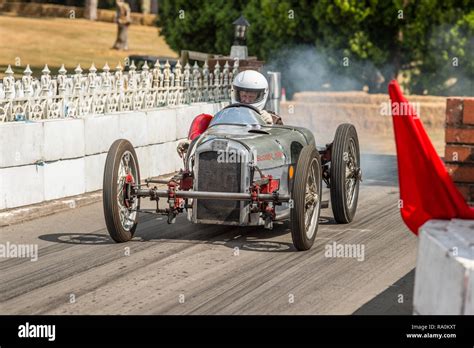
<point>199,125</point>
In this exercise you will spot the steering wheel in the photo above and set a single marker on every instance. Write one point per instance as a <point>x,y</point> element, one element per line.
<point>244,105</point>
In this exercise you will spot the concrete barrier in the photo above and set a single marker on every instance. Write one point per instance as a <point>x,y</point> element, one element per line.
<point>64,178</point>
<point>58,158</point>
<point>444,279</point>
<point>21,143</point>
<point>63,139</point>
<point>94,171</point>
<point>133,127</point>
<point>100,132</point>
<point>21,185</point>
<point>143,154</point>
<point>161,125</point>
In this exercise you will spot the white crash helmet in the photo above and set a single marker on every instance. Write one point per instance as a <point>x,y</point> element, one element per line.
<point>252,81</point>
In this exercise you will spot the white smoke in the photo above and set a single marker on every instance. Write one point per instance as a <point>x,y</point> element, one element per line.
<point>305,68</point>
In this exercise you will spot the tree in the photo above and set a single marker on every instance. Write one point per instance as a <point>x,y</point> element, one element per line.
<point>446,65</point>
<point>204,26</point>
<point>358,42</point>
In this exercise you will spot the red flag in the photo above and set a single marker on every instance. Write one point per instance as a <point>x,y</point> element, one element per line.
<point>426,189</point>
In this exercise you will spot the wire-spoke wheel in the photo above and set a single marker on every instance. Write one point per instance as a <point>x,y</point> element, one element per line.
<point>345,173</point>
<point>120,205</point>
<point>306,196</point>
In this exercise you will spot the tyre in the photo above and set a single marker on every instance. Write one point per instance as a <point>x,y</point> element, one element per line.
<point>306,196</point>
<point>345,173</point>
<point>120,207</point>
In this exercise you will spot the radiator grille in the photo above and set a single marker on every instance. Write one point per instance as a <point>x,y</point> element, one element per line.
<point>218,177</point>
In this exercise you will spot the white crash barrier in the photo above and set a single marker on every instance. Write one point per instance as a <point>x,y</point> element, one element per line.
<point>100,132</point>
<point>94,171</point>
<point>158,159</point>
<point>161,125</point>
<point>64,178</point>
<point>162,158</point>
<point>21,143</point>
<point>57,139</point>
<point>52,159</point>
<point>143,154</point>
<point>21,185</point>
<point>444,280</point>
<point>132,126</point>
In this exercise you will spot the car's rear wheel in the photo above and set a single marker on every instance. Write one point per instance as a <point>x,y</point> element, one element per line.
<point>306,197</point>
<point>345,173</point>
<point>120,205</point>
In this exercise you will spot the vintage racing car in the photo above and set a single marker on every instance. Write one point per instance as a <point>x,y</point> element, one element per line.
<point>241,171</point>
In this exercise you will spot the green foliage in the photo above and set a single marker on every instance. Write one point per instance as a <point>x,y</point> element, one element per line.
<point>450,70</point>
<point>204,26</point>
<point>430,41</point>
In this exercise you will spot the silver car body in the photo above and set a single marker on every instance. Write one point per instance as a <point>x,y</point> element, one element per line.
<point>231,154</point>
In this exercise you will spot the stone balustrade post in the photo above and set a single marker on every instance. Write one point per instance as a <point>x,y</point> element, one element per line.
<point>80,95</point>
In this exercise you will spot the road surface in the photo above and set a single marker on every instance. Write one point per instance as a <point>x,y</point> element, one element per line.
<point>199,269</point>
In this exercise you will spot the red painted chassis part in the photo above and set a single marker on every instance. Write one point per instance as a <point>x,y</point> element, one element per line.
<point>183,181</point>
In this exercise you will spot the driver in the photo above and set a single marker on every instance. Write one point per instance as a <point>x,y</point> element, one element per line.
<point>251,87</point>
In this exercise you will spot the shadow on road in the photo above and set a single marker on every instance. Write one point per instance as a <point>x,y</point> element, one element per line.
<point>243,238</point>
<point>78,238</point>
<point>239,238</point>
<point>326,220</point>
<point>396,300</point>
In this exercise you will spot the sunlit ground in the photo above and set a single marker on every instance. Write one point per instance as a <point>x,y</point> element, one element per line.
<point>54,41</point>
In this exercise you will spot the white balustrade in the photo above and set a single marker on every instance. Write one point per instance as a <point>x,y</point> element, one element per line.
<point>80,95</point>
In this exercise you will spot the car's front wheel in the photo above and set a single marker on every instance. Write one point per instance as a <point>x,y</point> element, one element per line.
<point>345,173</point>
<point>120,205</point>
<point>306,197</point>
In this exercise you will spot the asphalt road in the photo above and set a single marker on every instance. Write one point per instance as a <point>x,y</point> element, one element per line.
<point>200,269</point>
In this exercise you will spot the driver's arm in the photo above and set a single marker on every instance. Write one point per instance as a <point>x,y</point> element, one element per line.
<point>267,117</point>
<point>271,118</point>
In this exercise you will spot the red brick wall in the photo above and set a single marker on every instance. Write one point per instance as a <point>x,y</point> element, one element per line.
<point>459,153</point>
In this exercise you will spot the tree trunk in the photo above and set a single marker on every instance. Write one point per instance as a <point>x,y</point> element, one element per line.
<point>397,57</point>
<point>90,10</point>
